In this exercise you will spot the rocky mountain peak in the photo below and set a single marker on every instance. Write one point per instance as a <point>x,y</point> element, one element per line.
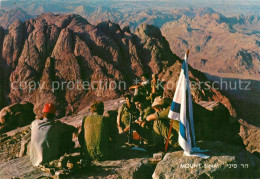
<point>205,10</point>
<point>14,14</point>
<point>50,50</point>
<point>149,31</point>
<point>84,10</point>
<point>66,48</point>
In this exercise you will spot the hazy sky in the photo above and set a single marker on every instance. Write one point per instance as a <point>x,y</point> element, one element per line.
<point>227,7</point>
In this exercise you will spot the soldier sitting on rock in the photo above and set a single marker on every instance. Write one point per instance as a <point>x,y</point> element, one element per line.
<point>95,137</point>
<point>50,138</point>
<point>161,124</point>
<point>145,110</point>
<point>124,114</point>
<point>156,88</point>
<point>144,88</point>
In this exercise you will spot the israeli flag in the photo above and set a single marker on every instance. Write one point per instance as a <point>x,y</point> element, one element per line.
<point>179,109</point>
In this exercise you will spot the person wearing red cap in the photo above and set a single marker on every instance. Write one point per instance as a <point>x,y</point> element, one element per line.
<point>50,138</point>
<point>49,108</point>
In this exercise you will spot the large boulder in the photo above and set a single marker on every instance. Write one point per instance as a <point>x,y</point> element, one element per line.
<point>16,115</point>
<point>251,137</point>
<point>214,123</point>
<point>226,161</point>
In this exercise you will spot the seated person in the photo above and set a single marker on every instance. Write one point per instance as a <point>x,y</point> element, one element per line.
<point>156,88</point>
<point>143,107</point>
<point>95,137</point>
<point>50,138</point>
<point>144,111</point>
<point>124,114</point>
<point>161,124</point>
<point>144,88</point>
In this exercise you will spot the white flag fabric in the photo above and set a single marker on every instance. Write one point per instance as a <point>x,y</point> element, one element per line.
<point>184,131</point>
<point>203,156</point>
<point>178,112</point>
<point>178,109</point>
<point>174,112</point>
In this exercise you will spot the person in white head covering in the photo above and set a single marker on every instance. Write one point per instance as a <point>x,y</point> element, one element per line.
<point>50,138</point>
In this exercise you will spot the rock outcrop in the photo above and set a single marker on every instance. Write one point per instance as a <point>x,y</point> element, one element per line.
<point>201,88</point>
<point>251,137</point>
<point>16,115</point>
<point>226,161</point>
<point>215,123</point>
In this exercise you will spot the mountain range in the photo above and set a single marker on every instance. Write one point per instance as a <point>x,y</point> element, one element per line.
<point>219,45</point>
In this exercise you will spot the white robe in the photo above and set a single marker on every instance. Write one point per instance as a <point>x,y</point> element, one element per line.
<point>49,140</point>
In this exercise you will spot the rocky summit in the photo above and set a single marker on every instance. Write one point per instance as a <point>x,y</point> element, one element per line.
<point>225,154</point>
<point>226,161</point>
<point>62,58</point>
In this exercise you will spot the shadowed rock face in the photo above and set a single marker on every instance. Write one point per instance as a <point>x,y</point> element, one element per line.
<point>51,49</point>
<point>2,94</point>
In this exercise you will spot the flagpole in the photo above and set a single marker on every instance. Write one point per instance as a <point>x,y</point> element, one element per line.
<point>168,138</point>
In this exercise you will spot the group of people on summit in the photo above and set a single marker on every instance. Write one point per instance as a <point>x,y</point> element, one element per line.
<point>143,118</point>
